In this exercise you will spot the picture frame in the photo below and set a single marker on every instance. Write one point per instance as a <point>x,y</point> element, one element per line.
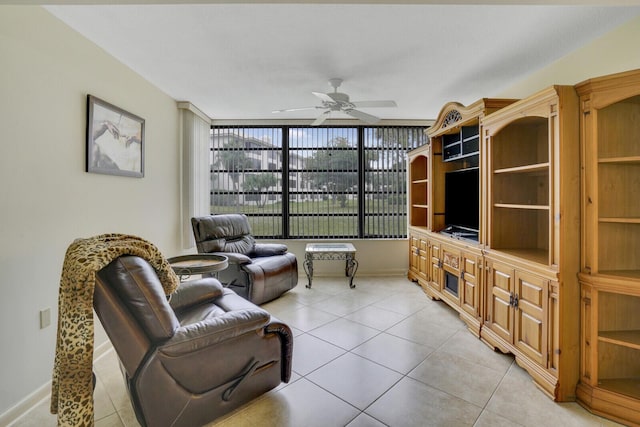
<point>115,140</point>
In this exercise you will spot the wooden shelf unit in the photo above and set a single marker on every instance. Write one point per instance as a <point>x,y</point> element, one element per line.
<point>532,223</point>
<point>610,250</point>
<point>526,251</point>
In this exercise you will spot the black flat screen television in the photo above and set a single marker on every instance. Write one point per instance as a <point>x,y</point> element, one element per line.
<point>461,201</point>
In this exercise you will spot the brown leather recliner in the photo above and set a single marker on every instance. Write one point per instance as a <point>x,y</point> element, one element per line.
<point>194,358</point>
<point>259,272</point>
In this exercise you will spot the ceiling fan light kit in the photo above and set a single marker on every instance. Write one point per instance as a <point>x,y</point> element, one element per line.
<point>338,101</point>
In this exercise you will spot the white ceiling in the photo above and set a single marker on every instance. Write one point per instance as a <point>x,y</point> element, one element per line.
<point>241,61</point>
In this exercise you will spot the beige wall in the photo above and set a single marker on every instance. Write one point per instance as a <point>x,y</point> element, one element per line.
<point>46,198</point>
<point>614,52</point>
<point>375,258</point>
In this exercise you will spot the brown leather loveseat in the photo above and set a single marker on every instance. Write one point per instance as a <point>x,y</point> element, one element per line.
<point>191,359</point>
<point>259,272</point>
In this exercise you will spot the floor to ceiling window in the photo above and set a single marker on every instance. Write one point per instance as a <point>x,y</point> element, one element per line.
<point>314,182</point>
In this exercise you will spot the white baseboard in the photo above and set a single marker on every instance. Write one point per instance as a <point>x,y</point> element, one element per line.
<point>340,273</point>
<point>42,393</point>
<point>31,401</point>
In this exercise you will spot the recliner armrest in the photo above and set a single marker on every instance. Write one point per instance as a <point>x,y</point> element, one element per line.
<point>214,330</point>
<point>235,258</point>
<point>286,346</point>
<point>268,249</point>
<point>195,292</point>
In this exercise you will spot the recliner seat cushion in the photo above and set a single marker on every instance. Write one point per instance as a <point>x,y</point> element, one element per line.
<point>195,292</point>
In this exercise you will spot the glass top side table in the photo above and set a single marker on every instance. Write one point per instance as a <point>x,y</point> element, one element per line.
<point>331,252</point>
<point>187,265</point>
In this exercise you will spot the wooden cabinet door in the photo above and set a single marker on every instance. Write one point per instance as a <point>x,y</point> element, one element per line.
<point>423,260</point>
<point>419,258</point>
<point>530,310</point>
<point>414,255</point>
<point>499,296</point>
<point>435,266</point>
<point>470,284</point>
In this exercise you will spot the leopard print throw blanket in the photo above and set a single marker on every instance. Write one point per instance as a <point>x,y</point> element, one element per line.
<point>72,383</point>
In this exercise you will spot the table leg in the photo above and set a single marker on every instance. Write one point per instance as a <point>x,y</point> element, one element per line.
<point>308,268</point>
<point>352,267</point>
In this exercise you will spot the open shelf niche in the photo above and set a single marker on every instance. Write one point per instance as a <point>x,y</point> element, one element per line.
<point>610,255</point>
<point>520,188</point>
<point>419,189</point>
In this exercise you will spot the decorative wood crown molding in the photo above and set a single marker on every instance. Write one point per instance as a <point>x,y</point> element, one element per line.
<point>454,114</point>
<point>452,117</point>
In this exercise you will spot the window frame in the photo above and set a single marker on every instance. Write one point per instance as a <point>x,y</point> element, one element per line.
<point>362,213</point>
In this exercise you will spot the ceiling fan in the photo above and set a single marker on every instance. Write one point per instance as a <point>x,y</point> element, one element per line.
<point>337,101</point>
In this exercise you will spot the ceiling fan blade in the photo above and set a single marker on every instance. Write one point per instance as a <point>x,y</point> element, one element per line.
<point>294,109</point>
<point>367,118</point>
<point>320,120</point>
<point>323,96</point>
<point>370,104</point>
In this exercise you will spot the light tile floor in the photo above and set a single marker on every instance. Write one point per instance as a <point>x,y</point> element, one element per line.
<point>382,354</point>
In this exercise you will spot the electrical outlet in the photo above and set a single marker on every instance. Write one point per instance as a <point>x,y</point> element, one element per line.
<point>45,318</point>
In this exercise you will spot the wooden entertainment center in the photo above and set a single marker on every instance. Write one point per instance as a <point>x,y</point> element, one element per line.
<point>524,216</point>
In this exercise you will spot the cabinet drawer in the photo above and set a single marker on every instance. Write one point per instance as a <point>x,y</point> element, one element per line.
<point>451,259</point>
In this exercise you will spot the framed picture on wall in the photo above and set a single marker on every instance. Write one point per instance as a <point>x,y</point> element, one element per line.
<point>115,140</point>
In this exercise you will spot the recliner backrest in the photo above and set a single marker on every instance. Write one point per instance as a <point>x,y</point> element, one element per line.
<point>136,283</point>
<point>223,233</point>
